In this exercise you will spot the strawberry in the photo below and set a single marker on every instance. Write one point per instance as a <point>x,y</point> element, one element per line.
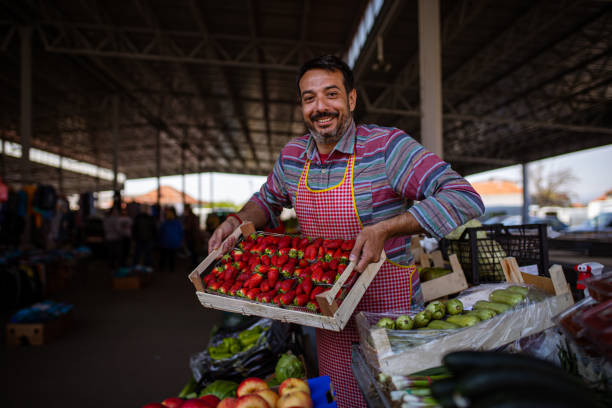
<point>287,270</point>
<point>310,253</point>
<point>271,240</point>
<point>258,249</point>
<point>207,279</point>
<point>348,245</point>
<point>253,281</point>
<point>265,260</point>
<point>240,265</point>
<point>277,286</point>
<point>293,253</point>
<point>317,242</point>
<point>243,276</point>
<point>344,257</point>
<point>215,285</point>
<point>272,276</point>
<point>284,242</point>
<point>274,261</point>
<point>332,243</point>
<point>226,287</point>
<point>303,263</point>
<point>276,299</point>
<point>307,286</point>
<point>321,253</point>
<point>237,254</point>
<point>329,255</point>
<point>267,296</point>
<point>304,242</point>
<point>315,291</point>
<point>301,273</point>
<point>230,273</point>
<point>225,259</point>
<point>341,268</point>
<point>218,270</point>
<point>234,288</point>
<point>252,293</point>
<point>283,251</point>
<point>312,306</point>
<point>333,264</point>
<point>265,286</point>
<point>286,285</point>
<point>242,292</point>
<point>329,277</point>
<point>300,300</point>
<point>317,272</point>
<point>295,242</point>
<point>269,250</point>
<point>261,269</point>
<point>299,290</point>
<point>287,298</point>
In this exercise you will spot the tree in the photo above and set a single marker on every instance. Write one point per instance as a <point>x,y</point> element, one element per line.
<point>551,187</point>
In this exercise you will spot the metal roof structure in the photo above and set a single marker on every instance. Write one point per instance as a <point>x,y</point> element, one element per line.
<point>210,86</point>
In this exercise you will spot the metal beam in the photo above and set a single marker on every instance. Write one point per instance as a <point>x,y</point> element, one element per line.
<point>26,101</point>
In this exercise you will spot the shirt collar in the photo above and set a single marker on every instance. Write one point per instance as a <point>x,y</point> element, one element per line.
<point>346,144</point>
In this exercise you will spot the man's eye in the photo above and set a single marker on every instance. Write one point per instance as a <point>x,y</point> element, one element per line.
<point>332,94</point>
<point>307,99</point>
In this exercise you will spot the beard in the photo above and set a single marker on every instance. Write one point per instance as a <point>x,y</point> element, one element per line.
<point>330,136</point>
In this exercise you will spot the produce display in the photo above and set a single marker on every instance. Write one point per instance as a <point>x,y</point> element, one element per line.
<point>488,379</point>
<point>231,346</point>
<point>283,270</point>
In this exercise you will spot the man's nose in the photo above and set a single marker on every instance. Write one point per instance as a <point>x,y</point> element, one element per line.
<point>321,105</point>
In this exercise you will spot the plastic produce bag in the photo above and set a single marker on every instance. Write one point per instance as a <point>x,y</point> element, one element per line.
<point>258,359</point>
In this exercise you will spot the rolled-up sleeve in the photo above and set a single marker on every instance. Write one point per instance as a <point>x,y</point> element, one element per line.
<point>272,196</point>
<point>443,199</point>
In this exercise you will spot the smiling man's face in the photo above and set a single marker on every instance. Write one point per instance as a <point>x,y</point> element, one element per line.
<point>326,106</point>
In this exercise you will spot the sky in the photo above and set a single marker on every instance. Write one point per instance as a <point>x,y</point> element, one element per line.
<point>592,169</point>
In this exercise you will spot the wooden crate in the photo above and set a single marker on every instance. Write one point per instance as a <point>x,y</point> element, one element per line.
<point>332,317</point>
<point>489,334</point>
<point>132,282</point>
<point>37,334</point>
<point>445,285</point>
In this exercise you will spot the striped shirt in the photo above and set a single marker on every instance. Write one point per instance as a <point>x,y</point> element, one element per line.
<point>393,174</point>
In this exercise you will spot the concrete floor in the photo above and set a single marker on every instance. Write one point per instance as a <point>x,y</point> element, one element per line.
<point>126,348</point>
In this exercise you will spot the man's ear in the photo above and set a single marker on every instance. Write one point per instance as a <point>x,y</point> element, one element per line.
<point>352,96</point>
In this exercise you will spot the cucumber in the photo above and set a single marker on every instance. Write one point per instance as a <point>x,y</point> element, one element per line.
<point>463,320</point>
<point>442,325</point>
<point>507,297</point>
<point>482,314</point>
<point>494,306</point>
<point>485,382</point>
<point>518,289</point>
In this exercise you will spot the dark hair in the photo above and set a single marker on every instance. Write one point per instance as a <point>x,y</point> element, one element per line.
<point>329,63</point>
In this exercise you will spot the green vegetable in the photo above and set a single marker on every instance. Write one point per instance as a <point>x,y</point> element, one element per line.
<point>422,319</point>
<point>404,322</point>
<point>289,366</point>
<point>496,307</point>
<point>248,337</point>
<point>463,320</point>
<point>442,325</point>
<point>482,314</point>
<point>437,309</point>
<point>189,388</point>
<point>221,389</point>
<point>519,289</point>
<point>386,323</point>
<point>454,306</point>
<point>507,297</point>
<point>431,273</point>
<point>456,233</point>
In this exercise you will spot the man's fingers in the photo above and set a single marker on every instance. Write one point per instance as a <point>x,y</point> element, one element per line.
<point>356,252</point>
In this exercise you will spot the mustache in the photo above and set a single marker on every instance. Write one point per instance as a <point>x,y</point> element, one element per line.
<point>321,115</point>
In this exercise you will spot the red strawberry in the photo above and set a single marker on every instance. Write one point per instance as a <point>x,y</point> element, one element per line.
<point>329,255</point>
<point>287,270</point>
<point>252,293</point>
<point>303,263</point>
<point>300,300</point>
<point>276,299</point>
<point>253,281</point>
<point>310,253</point>
<point>329,277</point>
<point>332,243</point>
<point>344,258</point>
<point>284,242</point>
<point>287,298</point>
<point>272,276</point>
<point>317,242</point>
<point>218,270</point>
<point>293,253</point>
<point>226,287</point>
<point>307,285</point>
<point>304,242</point>
<point>215,285</point>
<point>234,288</point>
<point>301,273</point>
<point>206,279</point>
<point>286,285</point>
<point>348,245</point>
<point>317,272</point>
<point>321,253</point>
<point>237,254</point>
<point>265,286</point>
<point>265,260</point>
<point>267,296</point>
<point>230,273</point>
<point>274,261</point>
<point>242,292</point>
<point>240,265</point>
<point>243,276</point>
<point>261,269</point>
<point>277,286</point>
<point>284,251</point>
<point>225,259</point>
<point>295,242</point>
<point>315,291</point>
<point>333,264</point>
<point>299,290</point>
<point>283,259</point>
<point>312,306</point>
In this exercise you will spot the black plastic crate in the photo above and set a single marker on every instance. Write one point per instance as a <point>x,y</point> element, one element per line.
<point>480,250</point>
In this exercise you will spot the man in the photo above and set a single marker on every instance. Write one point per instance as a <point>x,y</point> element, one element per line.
<point>348,181</point>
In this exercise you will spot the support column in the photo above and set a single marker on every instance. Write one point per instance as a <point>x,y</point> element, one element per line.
<point>183,148</point>
<point>430,76</point>
<point>158,166</point>
<point>60,172</point>
<point>115,140</point>
<point>525,212</point>
<point>212,199</point>
<point>26,101</point>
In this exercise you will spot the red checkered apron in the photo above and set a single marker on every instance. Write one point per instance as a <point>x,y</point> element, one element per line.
<point>332,213</point>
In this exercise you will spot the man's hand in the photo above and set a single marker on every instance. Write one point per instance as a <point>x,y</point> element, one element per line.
<point>368,246</point>
<point>226,228</point>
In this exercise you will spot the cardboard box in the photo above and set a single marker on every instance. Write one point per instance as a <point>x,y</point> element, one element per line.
<point>487,335</point>
<point>37,334</point>
<point>332,317</point>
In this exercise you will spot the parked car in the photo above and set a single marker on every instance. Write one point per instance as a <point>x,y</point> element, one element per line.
<point>601,222</point>
<point>552,222</point>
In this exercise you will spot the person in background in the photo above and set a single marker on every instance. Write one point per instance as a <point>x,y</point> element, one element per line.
<point>171,236</point>
<point>125,226</point>
<point>144,234</point>
<point>191,226</point>
<point>370,183</point>
<point>112,237</point>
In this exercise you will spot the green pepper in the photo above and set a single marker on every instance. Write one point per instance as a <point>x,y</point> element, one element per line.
<point>248,337</point>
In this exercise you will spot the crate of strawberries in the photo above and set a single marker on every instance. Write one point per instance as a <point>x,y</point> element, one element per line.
<point>296,279</point>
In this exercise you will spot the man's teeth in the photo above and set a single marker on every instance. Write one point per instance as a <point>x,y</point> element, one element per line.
<point>324,121</point>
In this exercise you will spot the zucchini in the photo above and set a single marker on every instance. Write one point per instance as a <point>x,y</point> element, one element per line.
<point>518,289</point>
<point>482,314</point>
<point>463,320</point>
<point>442,325</point>
<point>494,306</point>
<point>507,297</point>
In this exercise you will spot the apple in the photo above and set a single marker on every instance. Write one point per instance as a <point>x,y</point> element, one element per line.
<point>154,405</point>
<point>299,399</point>
<point>228,402</point>
<point>251,401</point>
<point>211,400</point>
<point>195,403</point>
<point>270,396</point>
<point>173,402</point>
<point>293,384</point>
<point>250,386</point>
